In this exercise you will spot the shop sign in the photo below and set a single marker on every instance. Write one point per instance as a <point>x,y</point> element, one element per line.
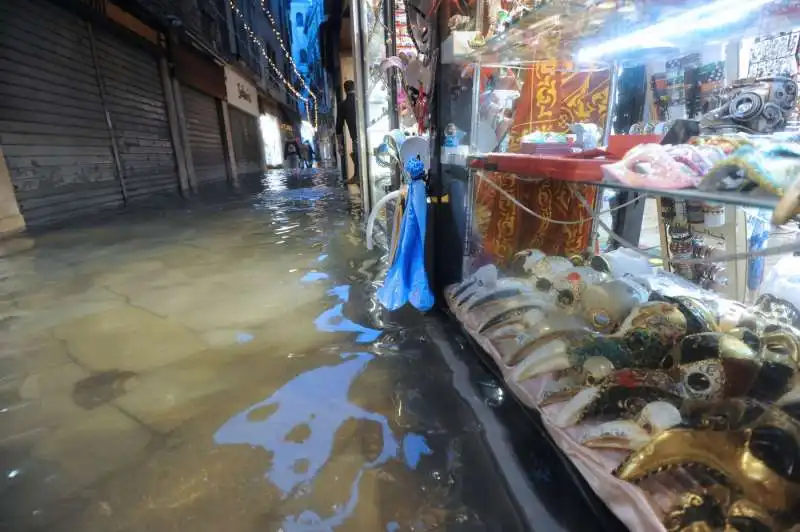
<point>241,93</point>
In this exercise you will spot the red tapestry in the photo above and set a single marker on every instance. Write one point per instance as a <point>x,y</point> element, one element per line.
<point>552,98</point>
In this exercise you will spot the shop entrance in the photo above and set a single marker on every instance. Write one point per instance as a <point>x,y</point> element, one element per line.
<point>271,133</point>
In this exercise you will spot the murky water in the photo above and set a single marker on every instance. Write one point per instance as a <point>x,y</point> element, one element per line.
<point>224,366</point>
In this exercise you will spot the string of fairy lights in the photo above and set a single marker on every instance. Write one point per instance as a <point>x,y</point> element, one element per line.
<point>260,45</point>
<point>277,34</point>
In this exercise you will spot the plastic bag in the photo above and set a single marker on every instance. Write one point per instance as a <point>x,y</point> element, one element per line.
<point>407,280</point>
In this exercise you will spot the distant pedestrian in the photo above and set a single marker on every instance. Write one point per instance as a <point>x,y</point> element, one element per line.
<point>309,154</point>
<point>291,154</point>
<point>346,115</point>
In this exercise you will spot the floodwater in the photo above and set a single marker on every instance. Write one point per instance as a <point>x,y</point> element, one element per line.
<point>223,366</point>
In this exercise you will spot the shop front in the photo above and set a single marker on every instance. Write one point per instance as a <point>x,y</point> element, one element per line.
<point>619,243</point>
<point>84,114</point>
<point>202,93</point>
<point>376,112</point>
<point>270,125</point>
<point>244,128</point>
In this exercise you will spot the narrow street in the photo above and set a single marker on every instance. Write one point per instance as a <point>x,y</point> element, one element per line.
<point>224,366</point>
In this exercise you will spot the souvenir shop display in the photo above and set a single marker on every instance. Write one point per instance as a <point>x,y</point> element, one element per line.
<point>669,376</point>
<point>395,53</point>
<point>640,377</point>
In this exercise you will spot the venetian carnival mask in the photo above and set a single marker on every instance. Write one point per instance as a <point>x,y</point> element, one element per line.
<point>758,455</point>
<point>420,17</point>
<point>712,510</point>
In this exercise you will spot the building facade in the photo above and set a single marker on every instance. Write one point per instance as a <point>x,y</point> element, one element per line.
<point>306,17</point>
<point>104,104</point>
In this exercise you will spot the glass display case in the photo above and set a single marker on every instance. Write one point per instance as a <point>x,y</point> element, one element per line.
<point>377,115</point>
<point>623,198</point>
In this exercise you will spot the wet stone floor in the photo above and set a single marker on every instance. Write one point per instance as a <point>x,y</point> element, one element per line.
<point>224,367</point>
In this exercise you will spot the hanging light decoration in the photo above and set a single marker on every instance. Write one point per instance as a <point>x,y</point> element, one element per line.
<point>260,45</point>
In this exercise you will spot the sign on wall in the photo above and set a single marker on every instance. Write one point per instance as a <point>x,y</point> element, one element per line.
<point>241,93</point>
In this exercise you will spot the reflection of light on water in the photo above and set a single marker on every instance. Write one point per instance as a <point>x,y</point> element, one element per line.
<point>275,181</point>
<point>313,276</point>
<point>244,338</point>
<point>277,197</point>
<point>299,422</point>
<point>318,400</point>
<point>333,320</point>
<point>414,446</point>
<point>342,292</point>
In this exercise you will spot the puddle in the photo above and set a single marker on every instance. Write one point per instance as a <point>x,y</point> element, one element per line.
<point>176,372</point>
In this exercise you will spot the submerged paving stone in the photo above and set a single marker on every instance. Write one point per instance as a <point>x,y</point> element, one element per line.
<point>225,366</point>
<point>127,338</point>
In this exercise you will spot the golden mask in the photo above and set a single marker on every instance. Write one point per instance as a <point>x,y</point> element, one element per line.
<point>761,461</point>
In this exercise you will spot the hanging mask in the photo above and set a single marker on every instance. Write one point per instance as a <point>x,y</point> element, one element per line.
<point>413,95</point>
<point>419,20</point>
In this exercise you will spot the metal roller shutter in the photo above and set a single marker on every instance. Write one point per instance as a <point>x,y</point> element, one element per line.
<point>246,137</point>
<point>205,136</point>
<point>135,100</point>
<point>52,123</point>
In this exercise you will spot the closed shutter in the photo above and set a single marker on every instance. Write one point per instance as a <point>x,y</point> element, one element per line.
<point>205,136</point>
<point>52,124</point>
<point>246,139</point>
<point>135,99</point>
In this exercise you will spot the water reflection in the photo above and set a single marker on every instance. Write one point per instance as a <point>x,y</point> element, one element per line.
<point>310,277</point>
<point>333,320</point>
<point>176,371</point>
<point>316,399</point>
<point>298,425</point>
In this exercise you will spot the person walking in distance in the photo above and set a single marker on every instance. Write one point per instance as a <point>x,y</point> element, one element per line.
<point>346,113</point>
<point>309,154</point>
<point>291,155</point>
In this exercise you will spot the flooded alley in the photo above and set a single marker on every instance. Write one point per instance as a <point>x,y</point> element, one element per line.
<point>224,366</point>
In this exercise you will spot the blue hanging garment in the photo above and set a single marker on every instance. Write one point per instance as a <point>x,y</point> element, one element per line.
<point>407,280</point>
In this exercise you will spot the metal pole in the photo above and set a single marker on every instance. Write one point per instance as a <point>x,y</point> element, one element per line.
<point>391,50</point>
<point>613,87</point>
<point>227,137</point>
<point>102,87</point>
<point>183,131</point>
<point>472,185</point>
<point>466,264</point>
<point>613,83</point>
<point>359,62</point>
